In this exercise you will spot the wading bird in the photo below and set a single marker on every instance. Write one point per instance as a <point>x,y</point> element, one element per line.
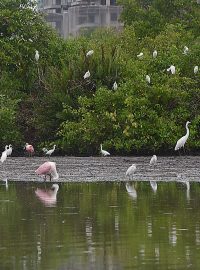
<point>114,86</point>
<point>48,197</point>
<point>49,152</point>
<point>172,69</point>
<point>181,142</point>
<point>140,55</point>
<point>148,79</point>
<point>48,168</point>
<point>153,160</point>
<point>131,170</point>
<point>155,53</point>
<point>9,150</point>
<point>37,56</point>
<point>87,75</point>
<point>196,69</point>
<point>104,152</point>
<point>89,53</point>
<point>29,149</point>
<point>4,154</point>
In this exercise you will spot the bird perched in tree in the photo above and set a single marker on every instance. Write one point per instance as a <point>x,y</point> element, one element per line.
<point>114,86</point>
<point>181,142</point>
<point>131,170</point>
<point>172,69</point>
<point>48,168</point>
<point>48,197</point>
<point>89,53</point>
<point>37,56</point>
<point>29,149</point>
<point>104,152</point>
<point>140,55</point>
<point>148,79</point>
<point>153,160</point>
<point>50,152</point>
<point>185,50</point>
<point>87,75</point>
<point>196,69</point>
<point>155,53</point>
<point>9,150</point>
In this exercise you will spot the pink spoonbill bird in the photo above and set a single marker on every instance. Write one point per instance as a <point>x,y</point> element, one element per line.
<point>29,149</point>
<point>48,168</point>
<point>48,197</point>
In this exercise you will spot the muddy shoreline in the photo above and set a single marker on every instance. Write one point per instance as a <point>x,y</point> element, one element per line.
<point>96,169</point>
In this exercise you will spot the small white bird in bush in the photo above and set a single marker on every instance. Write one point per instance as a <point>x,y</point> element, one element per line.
<point>196,69</point>
<point>148,79</point>
<point>172,69</point>
<point>155,53</point>
<point>87,75</point>
<point>140,55</point>
<point>37,56</point>
<point>114,86</point>
<point>185,50</point>
<point>89,53</point>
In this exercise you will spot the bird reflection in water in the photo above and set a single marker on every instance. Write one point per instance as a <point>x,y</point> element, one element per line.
<point>130,187</point>
<point>154,186</point>
<point>182,178</point>
<point>48,197</point>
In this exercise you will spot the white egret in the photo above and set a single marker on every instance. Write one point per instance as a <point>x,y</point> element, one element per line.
<point>89,53</point>
<point>154,185</point>
<point>115,86</point>
<point>172,69</point>
<point>87,75</point>
<point>196,69</point>
<point>140,55</point>
<point>153,160</point>
<point>104,152</point>
<point>9,150</point>
<point>50,152</point>
<point>185,50</point>
<point>181,142</point>
<point>148,79</point>
<point>4,154</point>
<point>37,56</point>
<point>131,190</point>
<point>131,170</point>
<point>155,53</point>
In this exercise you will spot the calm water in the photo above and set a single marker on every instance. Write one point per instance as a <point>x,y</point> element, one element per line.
<point>100,226</point>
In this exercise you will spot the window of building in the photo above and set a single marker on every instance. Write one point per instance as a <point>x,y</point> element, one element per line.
<point>113,17</point>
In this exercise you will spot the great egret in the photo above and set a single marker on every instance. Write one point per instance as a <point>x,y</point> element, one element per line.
<point>29,149</point>
<point>196,69</point>
<point>37,56</point>
<point>148,79</point>
<point>114,86</point>
<point>131,170</point>
<point>185,50</point>
<point>48,197</point>
<point>9,150</point>
<point>87,75</point>
<point>89,53</point>
<point>155,53</point>
<point>172,69</point>
<point>140,55</point>
<point>181,142</point>
<point>50,152</point>
<point>153,160</point>
<point>154,185</point>
<point>48,168</point>
<point>4,154</point>
<point>104,152</point>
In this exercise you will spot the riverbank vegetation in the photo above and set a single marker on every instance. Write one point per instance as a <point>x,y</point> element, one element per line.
<point>49,102</point>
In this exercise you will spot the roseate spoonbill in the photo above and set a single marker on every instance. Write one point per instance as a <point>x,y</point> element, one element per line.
<point>172,69</point>
<point>48,168</point>
<point>9,150</point>
<point>153,160</point>
<point>181,142</point>
<point>196,69</point>
<point>4,154</point>
<point>185,50</point>
<point>50,152</point>
<point>37,56</point>
<point>131,190</point>
<point>89,53</point>
<point>87,75</point>
<point>154,185</point>
<point>104,152</point>
<point>29,149</point>
<point>48,197</point>
<point>140,55</point>
<point>114,86</point>
<point>155,53</point>
<point>148,79</point>
<point>131,170</point>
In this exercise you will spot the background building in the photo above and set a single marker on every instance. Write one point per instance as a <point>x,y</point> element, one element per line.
<point>72,17</point>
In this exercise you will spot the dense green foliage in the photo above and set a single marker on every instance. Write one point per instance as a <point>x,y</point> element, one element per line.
<point>53,103</point>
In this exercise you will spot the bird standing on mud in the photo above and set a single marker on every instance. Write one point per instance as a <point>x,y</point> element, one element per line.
<point>181,142</point>
<point>50,151</point>
<point>29,149</point>
<point>131,170</point>
<point>153,160</point>
<point>104,152</point>
<point>48,168</point>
